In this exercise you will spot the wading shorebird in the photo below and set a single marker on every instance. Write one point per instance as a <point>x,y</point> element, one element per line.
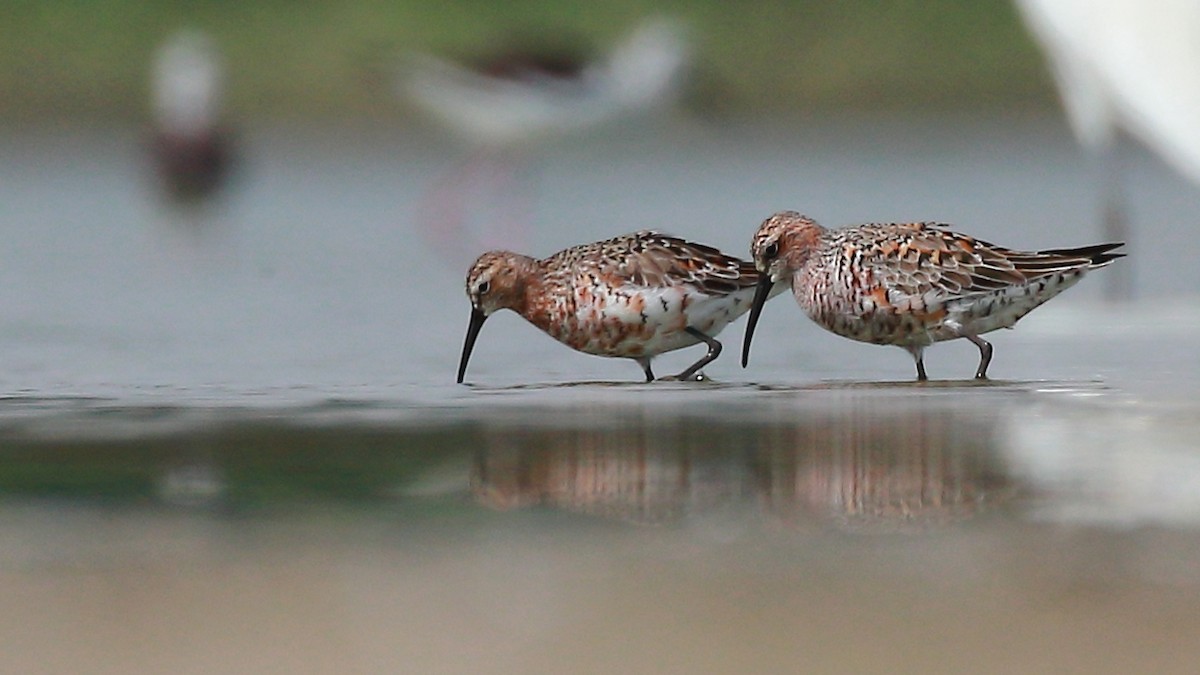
<point>909,284</point>
<point>635,296</point>
<point>190,147</point>
<point>504,104</point>
<point>519,95</point>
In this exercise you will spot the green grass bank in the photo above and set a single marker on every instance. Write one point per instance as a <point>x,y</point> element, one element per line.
<point>75,58</point>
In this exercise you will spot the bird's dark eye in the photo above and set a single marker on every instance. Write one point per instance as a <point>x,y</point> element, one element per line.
<point>771,251</point>
<point>484,287</point>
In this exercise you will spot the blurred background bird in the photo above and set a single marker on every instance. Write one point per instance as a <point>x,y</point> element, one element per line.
<point>501,104</point>
<point>190,147</point>
<point>1122,65</point>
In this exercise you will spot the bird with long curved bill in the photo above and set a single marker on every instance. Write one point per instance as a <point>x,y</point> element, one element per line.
<point>909,284</point>
<point>635,296</point>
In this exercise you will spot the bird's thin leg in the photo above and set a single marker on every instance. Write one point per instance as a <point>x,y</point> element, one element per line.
<point>985,355</point>
<point>644,362</point>
<point>918,354</point>
<point>714,350</point>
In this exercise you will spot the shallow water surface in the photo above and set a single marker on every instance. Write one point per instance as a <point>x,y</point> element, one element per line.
<point>844,526</point>
<point>230,438</point>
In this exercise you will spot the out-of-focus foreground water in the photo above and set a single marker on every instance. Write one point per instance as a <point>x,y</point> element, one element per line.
<point>230,438</point>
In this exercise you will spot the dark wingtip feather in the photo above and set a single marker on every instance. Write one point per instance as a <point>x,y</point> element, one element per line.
<point>1099,254</point>
<point>1102,260</point>
<point>1103,254</point>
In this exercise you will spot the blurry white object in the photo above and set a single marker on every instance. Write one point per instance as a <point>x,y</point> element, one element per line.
<point>502,103</point>
<point>1126,64</point>
<point>190,149</point>
<point>1109,466</point>
<point>187,84</point>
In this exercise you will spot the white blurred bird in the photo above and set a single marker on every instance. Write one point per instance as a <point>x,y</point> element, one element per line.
<point>191,149</point>
<point>1130,65</point>
<point>502,104</point>
<point>517,96</point>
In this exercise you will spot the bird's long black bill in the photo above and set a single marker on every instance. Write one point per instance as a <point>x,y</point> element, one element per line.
<point>477,319</point>
<point>761,292</point>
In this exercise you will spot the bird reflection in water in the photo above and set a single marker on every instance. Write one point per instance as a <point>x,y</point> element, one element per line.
<point>642,472</point>
<point>852,468</point>
<point>863,471</point>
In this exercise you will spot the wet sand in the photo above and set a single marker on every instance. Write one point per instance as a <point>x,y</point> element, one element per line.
<point>102,591</point>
